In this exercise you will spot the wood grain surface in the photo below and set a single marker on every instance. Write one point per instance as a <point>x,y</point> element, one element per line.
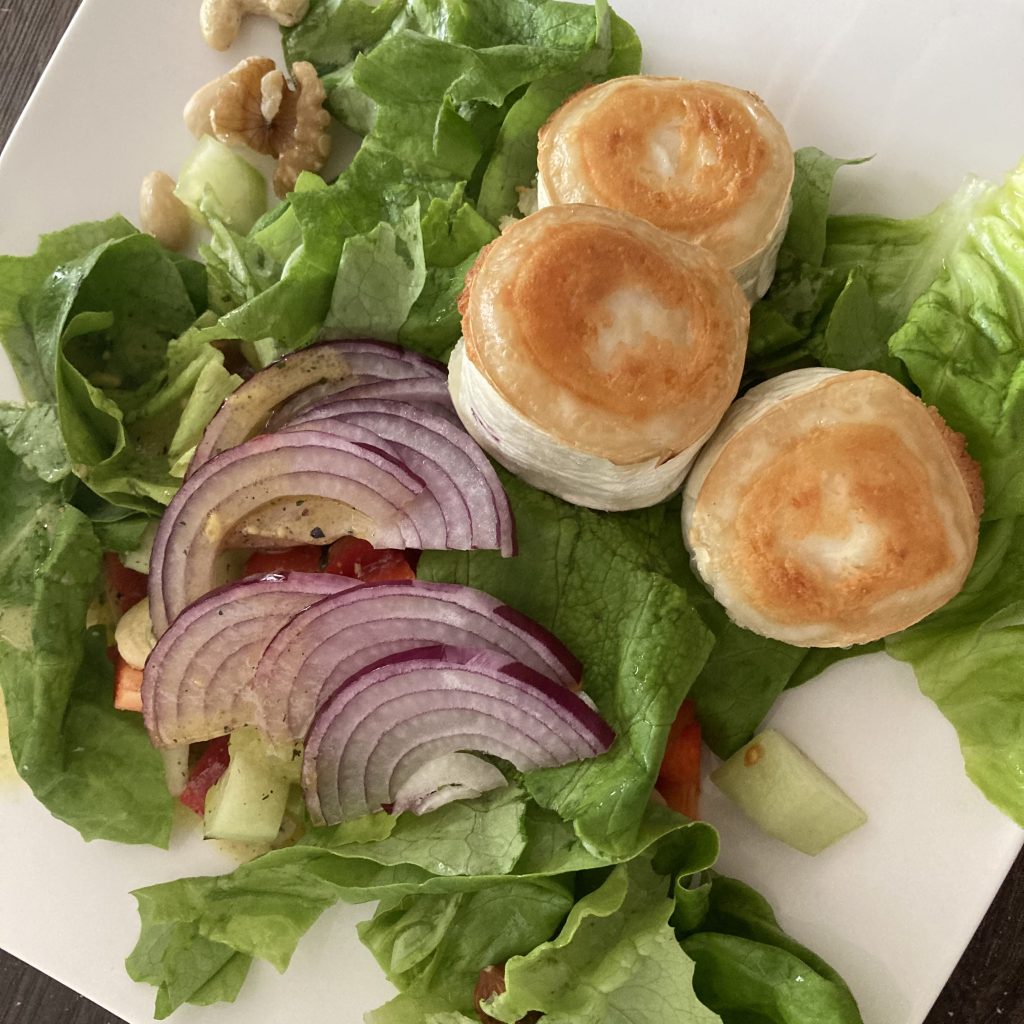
<point>988,984</point>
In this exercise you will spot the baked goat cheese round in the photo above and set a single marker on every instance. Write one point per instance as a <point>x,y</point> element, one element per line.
<point>705,162</point>
<point>598,354</point>
<point>832,508</point>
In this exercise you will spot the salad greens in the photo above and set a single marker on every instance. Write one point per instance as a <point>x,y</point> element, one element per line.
<point>604,905</point>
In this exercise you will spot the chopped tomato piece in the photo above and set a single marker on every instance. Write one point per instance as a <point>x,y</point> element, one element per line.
<point>125,587</point>
<point>357,558</point>
<point>127,684</point>
<point>679,777</point>
<point>305,558</point>
<point>205,772</point>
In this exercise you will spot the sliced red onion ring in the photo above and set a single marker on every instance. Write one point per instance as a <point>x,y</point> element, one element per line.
<point>188,559</point>
<point>430,393</point>
<point>312,372</point>
<point>196,684</point>
<point>454,467</point>
<point>449,777</point>
<point>321,647</point>
<point>383,726</point>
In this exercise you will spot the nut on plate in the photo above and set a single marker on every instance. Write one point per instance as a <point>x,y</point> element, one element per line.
<point>220,20</point>
<point>161,213</point>
<point>253,105</point>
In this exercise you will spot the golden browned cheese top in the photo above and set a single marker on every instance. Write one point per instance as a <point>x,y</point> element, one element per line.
<point>803,506</point>
<point>610,335</point>
<point>703,161</point>
<point>849,505</point>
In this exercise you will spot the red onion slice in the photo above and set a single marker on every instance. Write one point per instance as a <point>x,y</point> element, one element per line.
<point>197,680</point>
<point>454,467</point>
<point>321,647</point>
<point>383,726</point>
<point>430,393</point>
<point>311,372</point>
<point>188,559</point>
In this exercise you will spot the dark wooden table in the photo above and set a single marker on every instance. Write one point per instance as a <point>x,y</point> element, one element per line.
<point>988,984</point>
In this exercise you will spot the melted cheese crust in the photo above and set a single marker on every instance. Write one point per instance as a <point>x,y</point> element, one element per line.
<point>831,509</point>
<point>606,334</point>
<point>706,162</point>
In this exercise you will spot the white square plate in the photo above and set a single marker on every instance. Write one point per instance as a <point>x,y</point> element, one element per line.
<point>932,88</point>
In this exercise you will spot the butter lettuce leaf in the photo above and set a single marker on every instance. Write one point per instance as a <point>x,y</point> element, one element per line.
<point>963,342</point>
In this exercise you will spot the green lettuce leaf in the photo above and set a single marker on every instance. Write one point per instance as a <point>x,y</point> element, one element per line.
<point>803,289</point>
<point>967,658</point>
<point>616,958</point>
<point>21,277</point>
<point>434,947</point>
<point>749,969</point>
<point>886,264</point>
<point>183,966</point>
<point>844,285</point>
<point>380,276</point>
<point>264,907</point>
<point>964,341</point>
<point>90,765</point>
<point>125,400</point>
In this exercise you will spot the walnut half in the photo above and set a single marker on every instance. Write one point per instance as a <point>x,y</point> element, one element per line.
<point>253,105</point>
<point>306,142</point>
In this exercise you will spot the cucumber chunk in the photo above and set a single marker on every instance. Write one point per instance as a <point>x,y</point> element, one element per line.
<point>784,792</point>
<point>248,802</point>
<point>217,180</point>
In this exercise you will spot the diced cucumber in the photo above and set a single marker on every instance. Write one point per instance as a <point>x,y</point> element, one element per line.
<point>216,179</point>
<point>787,794</point>
<point>248,802</point>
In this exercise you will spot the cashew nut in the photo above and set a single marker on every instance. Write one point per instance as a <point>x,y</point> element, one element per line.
<point>220,20</point>
<point>161,213</point>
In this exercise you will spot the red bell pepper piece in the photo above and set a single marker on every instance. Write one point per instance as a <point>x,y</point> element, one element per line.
<point>125,587</point>
<point>205,772</point>
<point>360,560</point>
<point>679,776</point>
